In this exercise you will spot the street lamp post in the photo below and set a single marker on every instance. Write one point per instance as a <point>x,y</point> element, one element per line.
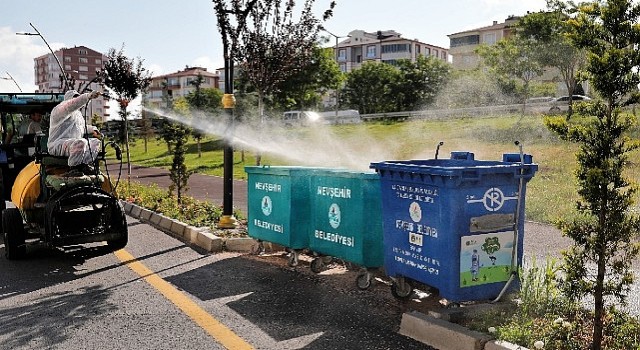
<point>11,78</point>
<point>66,81</point>
<point>337,92</point>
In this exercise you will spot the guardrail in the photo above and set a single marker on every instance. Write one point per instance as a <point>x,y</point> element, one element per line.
<point>531,109</point>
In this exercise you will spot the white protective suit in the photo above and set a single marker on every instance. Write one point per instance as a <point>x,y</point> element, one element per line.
<point>68,127</point>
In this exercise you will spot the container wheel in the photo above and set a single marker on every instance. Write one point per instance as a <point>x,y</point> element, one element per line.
<point>363,281</point>
<point>14,233</point>
<point>554,109</point>
<point>293,258</point>
<point>401,289</point>
<point>257,248</point>
<point>317,265</point>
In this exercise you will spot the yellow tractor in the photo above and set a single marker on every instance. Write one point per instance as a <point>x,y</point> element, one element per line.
<point>51,204</point>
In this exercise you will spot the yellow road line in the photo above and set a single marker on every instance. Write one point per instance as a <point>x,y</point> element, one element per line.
<point>217,330</point>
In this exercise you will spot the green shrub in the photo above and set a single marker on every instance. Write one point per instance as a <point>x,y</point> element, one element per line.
<point>191,211</point>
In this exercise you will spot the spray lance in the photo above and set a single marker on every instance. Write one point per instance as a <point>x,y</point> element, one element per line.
<point>516,227</point>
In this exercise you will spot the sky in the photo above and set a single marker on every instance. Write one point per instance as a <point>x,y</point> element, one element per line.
<point>169,35</point>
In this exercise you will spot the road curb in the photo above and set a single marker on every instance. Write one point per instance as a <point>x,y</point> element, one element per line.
<point>201,237</point>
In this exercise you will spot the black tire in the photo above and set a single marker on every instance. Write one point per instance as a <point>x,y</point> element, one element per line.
<point>401,289</point>
<point>14,234</point>
<point>554,109</point>
<point>119,243</point>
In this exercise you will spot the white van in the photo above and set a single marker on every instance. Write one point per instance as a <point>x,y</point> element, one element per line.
<point>300,118</point>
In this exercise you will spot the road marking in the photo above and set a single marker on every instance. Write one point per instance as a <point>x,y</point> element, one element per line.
<point>217,330</point>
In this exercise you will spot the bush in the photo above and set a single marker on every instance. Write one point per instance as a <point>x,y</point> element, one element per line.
<point>191,211</point>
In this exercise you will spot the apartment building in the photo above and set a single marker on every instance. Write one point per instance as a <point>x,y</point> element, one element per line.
<point>177,84</point>
<point>463,44</point>
<point>385,46</point>
<point>80,65</point>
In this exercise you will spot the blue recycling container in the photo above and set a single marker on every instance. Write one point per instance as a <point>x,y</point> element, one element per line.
<point>451,223</point>
<point>278,204</point>
<point>346,216</point>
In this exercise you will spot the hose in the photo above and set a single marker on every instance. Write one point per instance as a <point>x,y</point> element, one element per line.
<point>516,228</point>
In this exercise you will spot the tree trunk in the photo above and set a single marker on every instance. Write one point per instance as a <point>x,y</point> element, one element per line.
<point>199,147</point>
<point>126,141</point>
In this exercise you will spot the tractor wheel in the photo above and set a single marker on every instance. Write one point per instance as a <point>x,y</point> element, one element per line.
<point>119,243</point>
<point>14,233</point>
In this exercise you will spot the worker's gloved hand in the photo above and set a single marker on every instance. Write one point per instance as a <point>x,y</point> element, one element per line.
<point>94,94</point>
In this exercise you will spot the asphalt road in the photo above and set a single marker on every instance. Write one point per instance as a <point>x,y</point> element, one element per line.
<point>540,240</point>
<point>88,298</point>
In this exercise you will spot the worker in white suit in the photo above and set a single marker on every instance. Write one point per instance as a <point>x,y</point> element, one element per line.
<point>68,130</point>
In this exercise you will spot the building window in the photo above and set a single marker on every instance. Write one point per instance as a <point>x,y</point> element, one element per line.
<point>83,68</point>
<point>83,60</point>
<point>391,62</point>
<point>67,67</point>
<point>67,58</point>
<point>417,49</point>
<point>98,61</point>
<point>490,38</point>
<point>342,54</point>
<point>427,51</point>
<point>435,53</point>
<point>444,55</point>
<point>395,48</point>
<point>343,67</point>
<point>83,77</point>
<point>465,40</point>
<point>82,51</point>
<point>371,51</point>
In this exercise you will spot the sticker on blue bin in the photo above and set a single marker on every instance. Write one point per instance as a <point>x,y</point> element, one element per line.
<point>485,258</point>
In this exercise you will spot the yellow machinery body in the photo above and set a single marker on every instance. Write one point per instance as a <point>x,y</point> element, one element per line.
<point>26,188</point>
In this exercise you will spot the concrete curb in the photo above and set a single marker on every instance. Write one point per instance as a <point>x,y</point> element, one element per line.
<point>198,236</point>
<point>433,329</point>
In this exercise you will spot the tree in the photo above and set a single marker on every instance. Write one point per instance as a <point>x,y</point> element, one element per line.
<point>179,174</point>
<point>304,88</point>
<point>511,61</point>
<point>548,31</point>
<point>203,103</point>
<point>274,46</point>
<point>599,262</point>
<point>127,78</point>
<point>420,82</point>
<point>371,88</point>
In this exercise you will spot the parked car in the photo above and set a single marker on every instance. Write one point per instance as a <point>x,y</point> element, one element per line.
<point>561,104</point>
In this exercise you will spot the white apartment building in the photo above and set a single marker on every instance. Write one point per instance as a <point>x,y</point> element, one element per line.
<point>177,84</point>
<point>385,46</point>
<point>463,44</point>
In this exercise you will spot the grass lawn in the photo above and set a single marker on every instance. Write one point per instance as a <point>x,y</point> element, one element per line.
<point>551,194</point>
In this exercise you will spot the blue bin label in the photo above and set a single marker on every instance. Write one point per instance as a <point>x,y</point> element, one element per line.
<point>485,258</point>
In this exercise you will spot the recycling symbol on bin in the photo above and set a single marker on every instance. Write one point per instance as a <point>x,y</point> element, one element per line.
<point>334,216</point>
<point>493,199</point>
<point>266,205</point>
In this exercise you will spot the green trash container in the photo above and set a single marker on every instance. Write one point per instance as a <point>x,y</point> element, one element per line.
<point>279,206</point>
<point>346,220</point>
